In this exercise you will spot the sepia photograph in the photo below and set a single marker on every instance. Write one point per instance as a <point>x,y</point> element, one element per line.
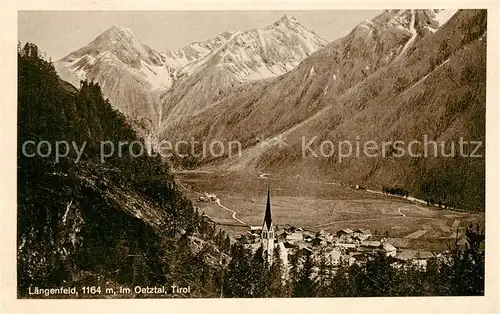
<point>215,154</point>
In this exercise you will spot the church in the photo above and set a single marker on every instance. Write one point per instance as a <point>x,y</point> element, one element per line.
<point>266,238</point>
<point>267,233</point>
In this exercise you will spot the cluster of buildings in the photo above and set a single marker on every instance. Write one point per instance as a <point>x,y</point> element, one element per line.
<point>208,197</point>
<point>346,247</point>
<point>343,248</point>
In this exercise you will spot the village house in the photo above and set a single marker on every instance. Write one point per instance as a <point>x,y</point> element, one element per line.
<point>388,249</point>
<point>255,229</point>
<point>209,197</point>
<point>283,254</point>
<point>345,234</point>
<point>334,257</point>
<point>323,235</point>
<point>281,235</point>
<point>361,234</point>
<point>295,236</point>
<point>367,244</point>
<point>308,238</point>
<point>416,258</point>
<point>346,247</point>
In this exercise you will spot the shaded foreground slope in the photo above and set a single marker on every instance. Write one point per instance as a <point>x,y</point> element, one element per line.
<point>118,223</point>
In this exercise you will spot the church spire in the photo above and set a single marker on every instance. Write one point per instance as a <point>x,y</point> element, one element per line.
<point>267,216</point>
<point>267,234</point>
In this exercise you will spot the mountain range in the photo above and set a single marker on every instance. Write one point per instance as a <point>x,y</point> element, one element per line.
<point>403,75</point>
<point>144,83</point>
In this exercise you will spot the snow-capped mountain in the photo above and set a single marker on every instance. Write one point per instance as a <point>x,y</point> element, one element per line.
<point>166,87</point>
<point>400,76</point>
<point>134,75</point>
<point>117,47</point>
<point>338,66</point>
<point>261,53</point>
<point>130,73</point>
<point>194,51</point>
<point>243,58</point>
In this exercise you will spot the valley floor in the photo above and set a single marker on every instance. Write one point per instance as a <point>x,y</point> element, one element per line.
<point>319,206</point>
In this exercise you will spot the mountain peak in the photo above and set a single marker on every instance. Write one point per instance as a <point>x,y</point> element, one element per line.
<point>288,19</point>
<point>227,34</point>
<point>115,28</point>
<point>115,43</point>
<point>118,28</point>
<point>431,19</point>
<point>117,33</point>
<point>122,43</point>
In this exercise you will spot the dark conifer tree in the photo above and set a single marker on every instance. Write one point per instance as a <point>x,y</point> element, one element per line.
<point>260,275</point>
<point>305,285</point>
<point>238,278</point>
<point>324,279</point>
<point>277,273</point>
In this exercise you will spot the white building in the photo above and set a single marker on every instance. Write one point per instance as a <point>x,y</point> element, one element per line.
<point>294,237</point>
<point>334,257</point>
<point>389,249</point>
<point>211,197</point>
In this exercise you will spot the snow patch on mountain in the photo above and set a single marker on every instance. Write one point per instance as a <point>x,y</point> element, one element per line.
<point>158,76</point>
<point>440,18</point>
<point>444,15</point>
<point>194,66</point>
<point>414,34</point>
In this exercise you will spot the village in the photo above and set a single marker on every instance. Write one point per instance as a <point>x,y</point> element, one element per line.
<point>344,248</point>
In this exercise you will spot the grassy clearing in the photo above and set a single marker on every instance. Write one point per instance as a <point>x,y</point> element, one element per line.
<point>328,207</point>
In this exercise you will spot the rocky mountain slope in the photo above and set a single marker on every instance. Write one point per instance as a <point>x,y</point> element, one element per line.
<point>400,76</point>
<point>161,86</point>
<point>245,57</point>
<point>129,72</point>
<point>332,70</point>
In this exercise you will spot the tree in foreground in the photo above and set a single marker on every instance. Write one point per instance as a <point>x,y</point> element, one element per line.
<point>305,285</point>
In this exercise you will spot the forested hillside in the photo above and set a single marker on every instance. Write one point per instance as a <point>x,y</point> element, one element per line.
<point>118,222</point>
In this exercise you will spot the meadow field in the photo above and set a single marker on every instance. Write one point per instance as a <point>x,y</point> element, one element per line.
<point>325,206</point>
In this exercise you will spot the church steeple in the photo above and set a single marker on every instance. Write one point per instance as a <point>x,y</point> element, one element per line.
<point>267,216</point>
<point>267,235</point>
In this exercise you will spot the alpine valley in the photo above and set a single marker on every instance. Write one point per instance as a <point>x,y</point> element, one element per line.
<point>281,92</point>
<point>403,75</point>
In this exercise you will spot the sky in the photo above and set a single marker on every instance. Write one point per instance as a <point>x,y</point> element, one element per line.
<point>60,32</point>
